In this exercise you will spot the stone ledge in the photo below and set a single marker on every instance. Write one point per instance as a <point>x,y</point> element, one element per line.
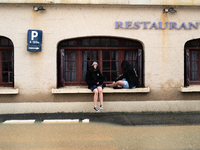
<point>84,89</point>
<point>192,88</point>
<point>6,90</point>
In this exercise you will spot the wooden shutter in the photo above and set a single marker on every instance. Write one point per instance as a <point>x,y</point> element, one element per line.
<point>61,68</point>
<point>187,67</point>
<point>140,68</point>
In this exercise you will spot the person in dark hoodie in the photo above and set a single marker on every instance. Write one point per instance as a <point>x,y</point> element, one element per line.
<point>127,80</point>
<point>94,79</point>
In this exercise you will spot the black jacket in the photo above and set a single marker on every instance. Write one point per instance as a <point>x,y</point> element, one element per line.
<point>92,77</point>
<point>129,73</point>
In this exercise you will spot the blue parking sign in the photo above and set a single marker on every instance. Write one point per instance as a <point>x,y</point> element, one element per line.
<point>34,37</point>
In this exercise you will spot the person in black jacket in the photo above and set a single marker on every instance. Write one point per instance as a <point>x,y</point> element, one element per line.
<point>127,80</point>
<point>94,79</point>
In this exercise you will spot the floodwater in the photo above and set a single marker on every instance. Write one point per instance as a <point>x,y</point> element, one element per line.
<point>95,136</point>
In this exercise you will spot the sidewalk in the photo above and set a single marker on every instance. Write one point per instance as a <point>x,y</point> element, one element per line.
<point>123,118</point>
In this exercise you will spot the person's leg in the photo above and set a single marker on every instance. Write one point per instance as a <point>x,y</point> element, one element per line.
<point>95,97</point>
<point>100,91</point>
<point>118,83</point>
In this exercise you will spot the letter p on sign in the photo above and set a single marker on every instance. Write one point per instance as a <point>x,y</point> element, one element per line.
<point>34,34</point>
<point>34,37</point>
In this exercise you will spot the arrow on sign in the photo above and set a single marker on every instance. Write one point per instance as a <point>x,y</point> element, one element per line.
<point>33,47</point>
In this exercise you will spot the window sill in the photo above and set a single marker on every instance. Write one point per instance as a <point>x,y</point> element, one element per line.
<point>84,89</point>
<point>9,90</point>
<point>191,88</point>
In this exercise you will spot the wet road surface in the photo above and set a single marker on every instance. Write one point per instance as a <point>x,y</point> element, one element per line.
<point>97,136</point>
<point>120,118</point>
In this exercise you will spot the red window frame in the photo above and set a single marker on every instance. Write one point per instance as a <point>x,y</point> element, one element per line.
<point>188,70</point>
<point>198,60</point>
<point>192,45</point>
<point>6,46</point>
<point>62,49</point>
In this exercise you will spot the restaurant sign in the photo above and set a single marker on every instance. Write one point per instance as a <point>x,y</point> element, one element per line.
<point>155,25</point>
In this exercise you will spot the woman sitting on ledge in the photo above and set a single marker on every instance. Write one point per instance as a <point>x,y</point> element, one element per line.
<point>128,80</point>
<point>94,79</point>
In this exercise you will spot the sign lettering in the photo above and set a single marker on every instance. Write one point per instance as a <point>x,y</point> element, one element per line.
<point>156,25</point>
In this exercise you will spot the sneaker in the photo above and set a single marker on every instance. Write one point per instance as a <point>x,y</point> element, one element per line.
<point>96,109</point>
<point>101,106</point>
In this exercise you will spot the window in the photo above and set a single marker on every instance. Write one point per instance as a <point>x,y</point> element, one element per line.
<point>76,55</point>
<point>6,62</point>
<point>192,62</point>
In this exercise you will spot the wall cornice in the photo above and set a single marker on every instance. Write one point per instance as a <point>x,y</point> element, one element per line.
<point>109,2</point>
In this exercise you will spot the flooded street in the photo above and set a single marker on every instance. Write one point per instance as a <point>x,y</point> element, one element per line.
<point>95,136</point>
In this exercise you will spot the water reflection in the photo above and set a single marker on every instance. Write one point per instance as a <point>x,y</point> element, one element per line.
<point>94,136</point>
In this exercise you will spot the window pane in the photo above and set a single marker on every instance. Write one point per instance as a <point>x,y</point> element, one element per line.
<point>128,43</point>
<point>114,75</point>
<point>114,55</point>
<point>137,44</point>
<point>11,77</point>
<point>10,66</point>
<point>195,65</point>
<point>115,65</point>
<point>195,76</point>
<point>114,42</point>
<point>72,66</point>
<point>5,77</point>
<point>106,76</point>
<point>10,43</point>
<point>5,55</point>
<point>72,55</point>
<point>187,44</point>
<point>72,76</point>
<point>5,66</point>
<point>135,55</point>
<point>72,43</point>
<point>66,56</point>
<point>86,42</point>
<point>4,41</point>
<point>106,55</point>
<point>128,55</point>
<point>85,66</point>
<point>10,55</point>
<point>86,55</point>
<point>94,55</point>
<point>106,65</point>
<point>66,66</point>
<point>131,57</point>
<point>83,76</point>
<point>64,43</point>
<point>66,76</point>
<point>194,55</point>
<point>95,42</point>
<point>105,42</point>
<point>194,43</point>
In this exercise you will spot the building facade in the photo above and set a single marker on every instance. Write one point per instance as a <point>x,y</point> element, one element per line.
<point>160,38</point>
